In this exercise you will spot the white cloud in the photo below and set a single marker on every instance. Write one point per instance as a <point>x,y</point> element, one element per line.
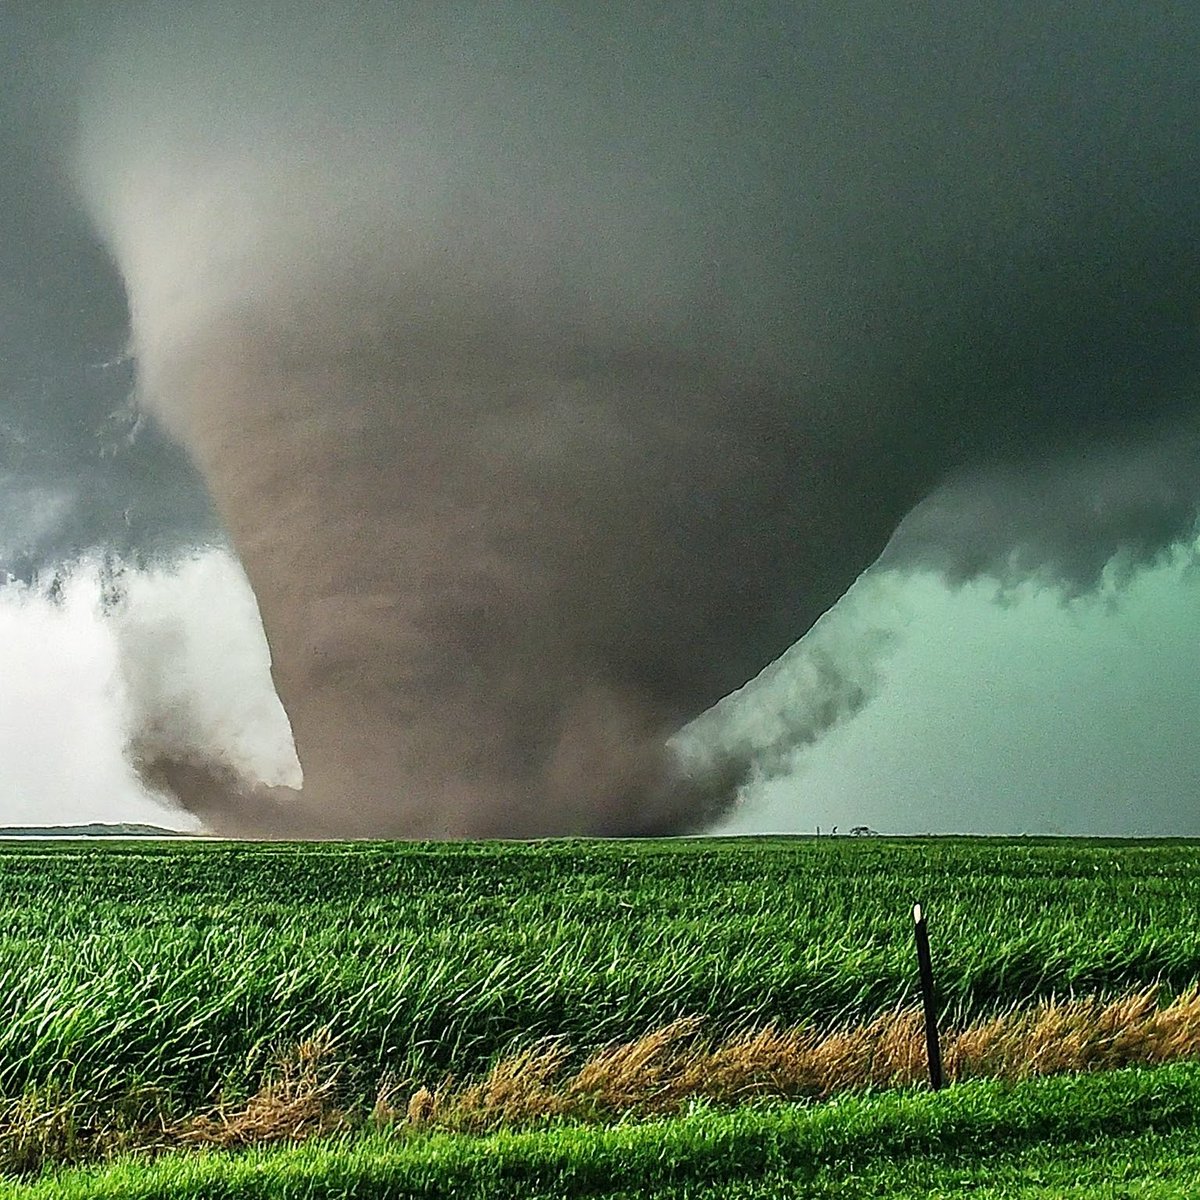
<point>179,660</point>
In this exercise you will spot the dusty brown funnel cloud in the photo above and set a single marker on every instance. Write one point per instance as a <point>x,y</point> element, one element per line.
<point>553,368</point>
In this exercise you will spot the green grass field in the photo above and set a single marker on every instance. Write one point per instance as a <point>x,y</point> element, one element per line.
<point>157,978</point>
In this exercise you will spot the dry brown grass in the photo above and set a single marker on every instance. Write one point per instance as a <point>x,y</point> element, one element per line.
<point>659,1073</point>
<point>44,1126</point>
<point>1078,1035</point>
<point>299,1101</point>
<point>664,1070</point>
<point>39,1128</point>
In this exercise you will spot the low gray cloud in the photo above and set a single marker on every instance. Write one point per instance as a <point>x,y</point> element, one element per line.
<point>1106,509</point>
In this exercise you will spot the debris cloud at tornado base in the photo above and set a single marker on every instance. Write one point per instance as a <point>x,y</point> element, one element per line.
<point>554,369</point>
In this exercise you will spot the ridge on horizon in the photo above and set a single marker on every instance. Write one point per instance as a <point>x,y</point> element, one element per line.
<point>93,829</point>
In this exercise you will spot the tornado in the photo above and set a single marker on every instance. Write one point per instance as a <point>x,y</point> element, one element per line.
<point>553,368</point>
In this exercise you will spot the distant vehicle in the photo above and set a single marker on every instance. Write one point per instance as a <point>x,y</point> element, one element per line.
<point>863,831</point>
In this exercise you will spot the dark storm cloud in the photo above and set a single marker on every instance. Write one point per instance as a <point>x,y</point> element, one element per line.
<point>78,470</point>
<point>1107,509</point>
<point>554,367</point>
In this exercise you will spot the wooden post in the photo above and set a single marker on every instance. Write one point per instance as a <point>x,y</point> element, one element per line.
<point>932,1044</point>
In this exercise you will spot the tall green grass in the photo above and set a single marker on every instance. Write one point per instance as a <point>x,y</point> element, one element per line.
<point>180,969</point>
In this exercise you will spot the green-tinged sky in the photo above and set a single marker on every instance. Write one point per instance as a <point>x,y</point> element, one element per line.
<point>1029,715</point>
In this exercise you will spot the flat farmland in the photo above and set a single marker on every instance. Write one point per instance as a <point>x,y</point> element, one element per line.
<point>165,985</point>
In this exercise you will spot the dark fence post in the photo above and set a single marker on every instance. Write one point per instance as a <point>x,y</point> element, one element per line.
<point>932,1045</point>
